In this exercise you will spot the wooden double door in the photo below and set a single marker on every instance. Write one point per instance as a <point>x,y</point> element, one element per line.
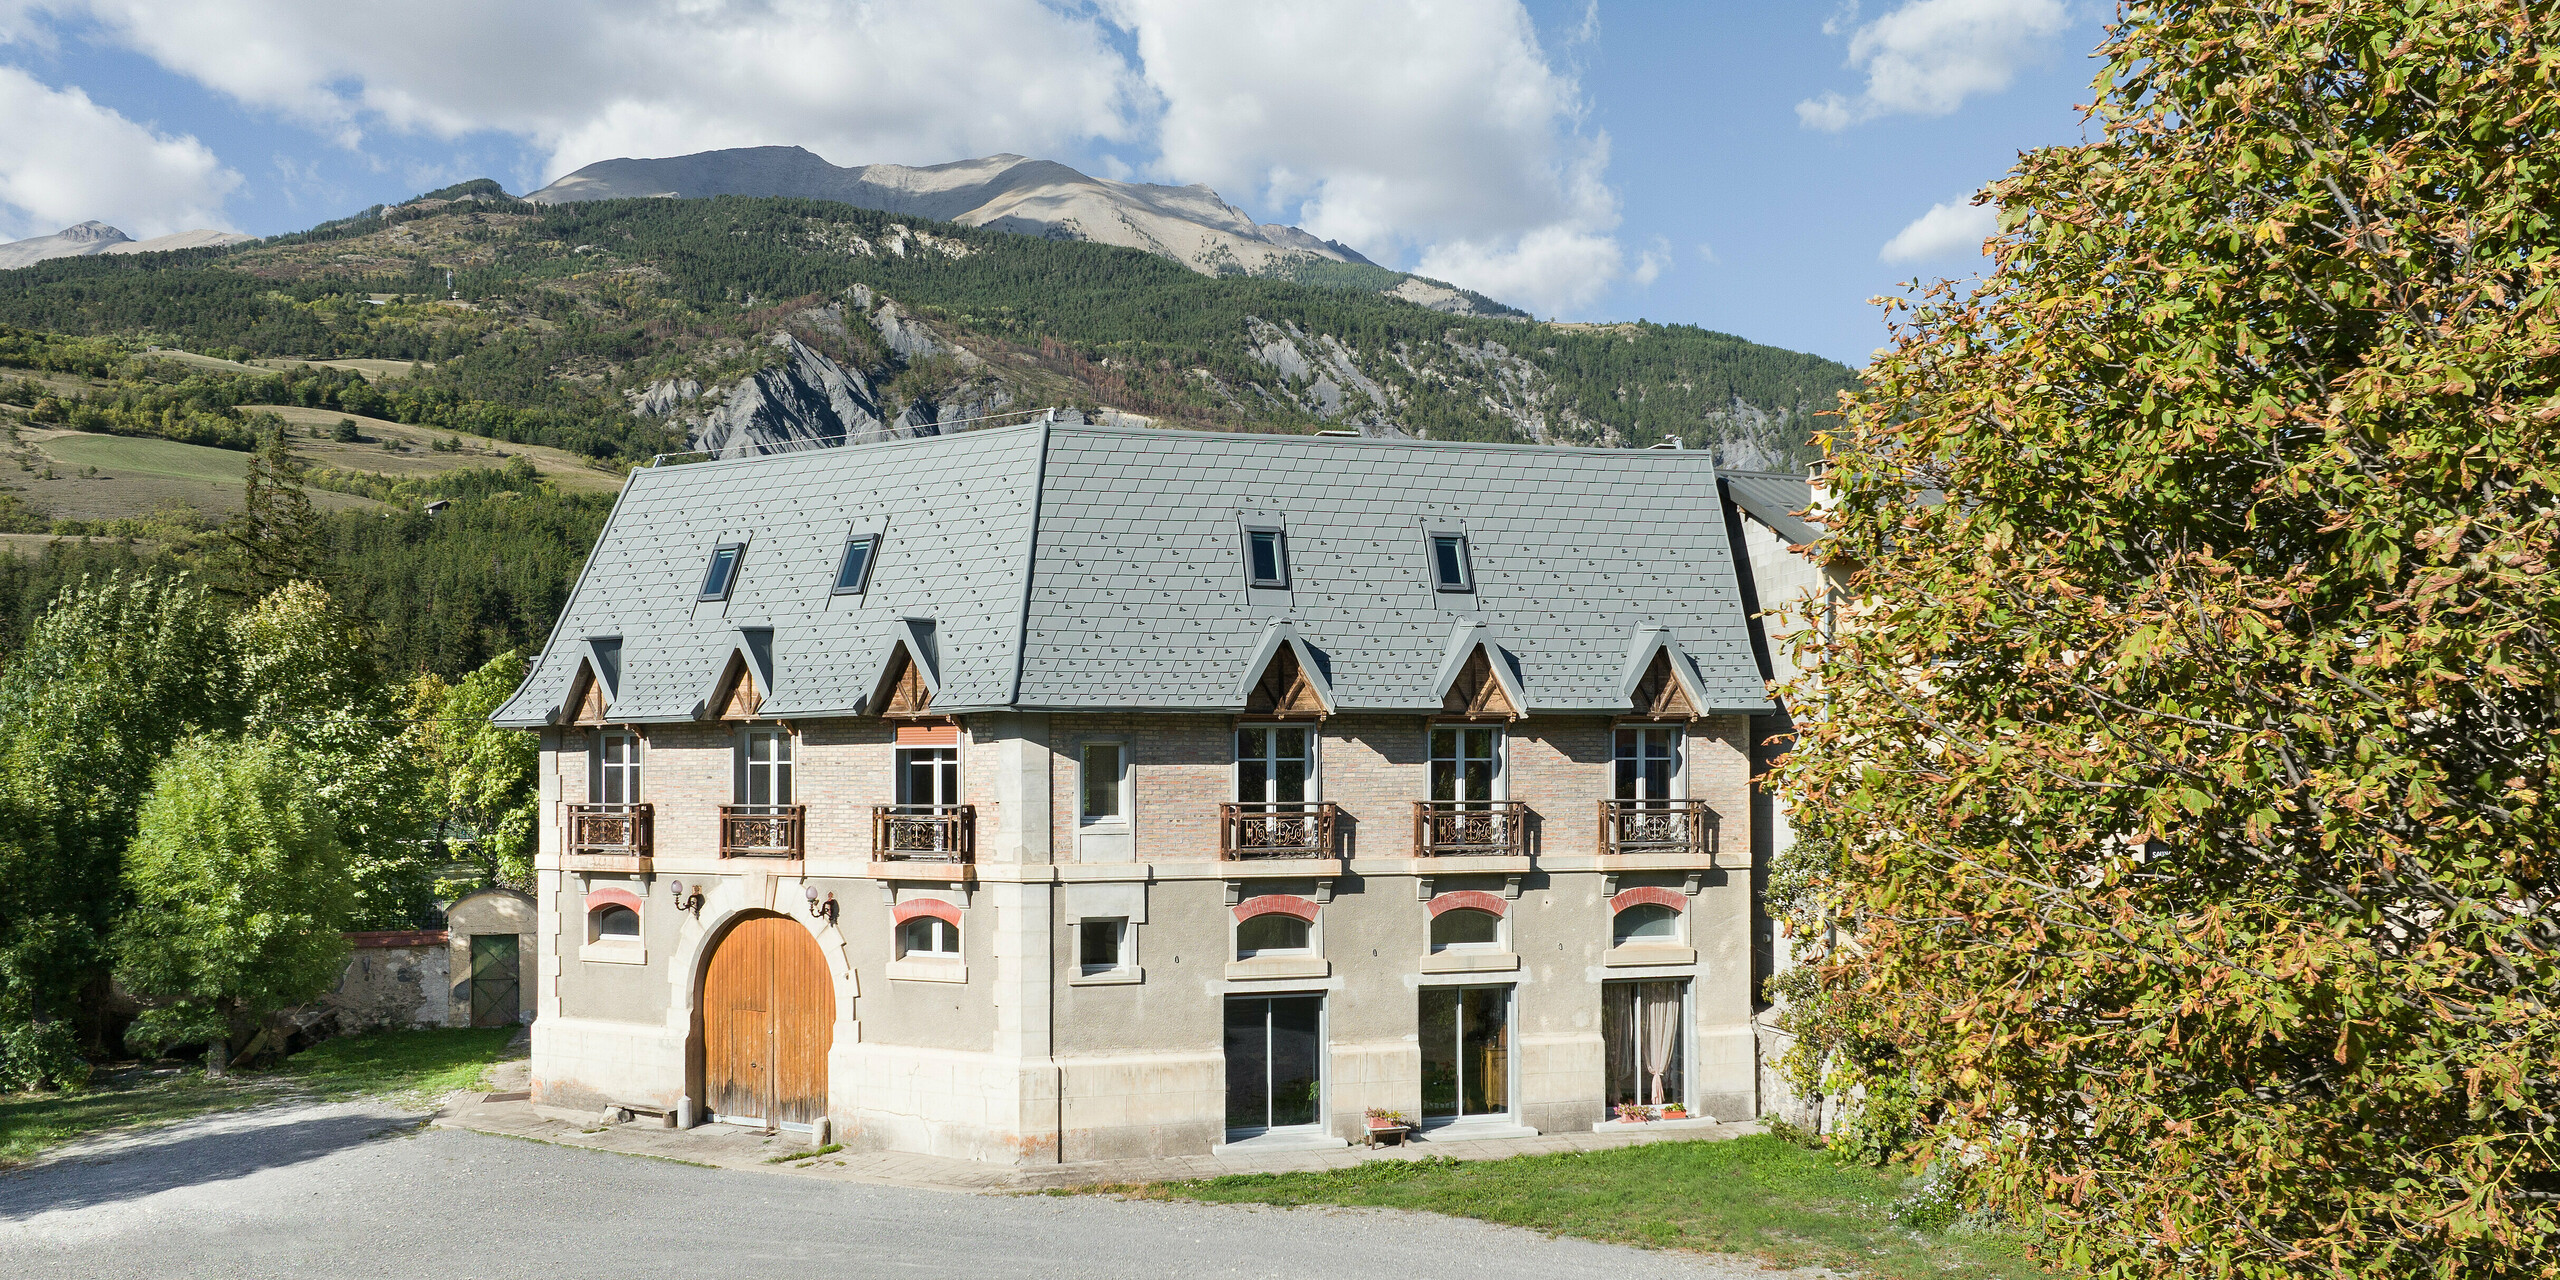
<point>768,1015</point>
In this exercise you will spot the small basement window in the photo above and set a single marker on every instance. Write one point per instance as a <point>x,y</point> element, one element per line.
<point>853,572</point>
<point>928,936</point>
<point>613,922</point>
<point>722,573</point>
<point>1266,558</point>
<point>1449,569</point>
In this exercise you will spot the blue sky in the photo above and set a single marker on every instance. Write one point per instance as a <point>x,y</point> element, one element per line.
<point>1738,166</point>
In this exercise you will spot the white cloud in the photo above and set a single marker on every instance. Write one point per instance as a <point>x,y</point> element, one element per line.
<point>1438,135</point>
<point>65,159</point>
<point>1956,228</point>
<point>918,81</point>
<point>1928,56</point>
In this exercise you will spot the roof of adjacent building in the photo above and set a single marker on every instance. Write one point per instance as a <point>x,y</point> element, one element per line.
<point>1774,499</point>
<point>1073,567</point>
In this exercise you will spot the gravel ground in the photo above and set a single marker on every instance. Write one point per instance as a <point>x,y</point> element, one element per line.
<point>357,1190</point>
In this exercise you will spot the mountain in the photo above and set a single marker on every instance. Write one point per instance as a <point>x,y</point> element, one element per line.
<point>97,237</point>
<point>625,328</point>
<point>1191,225</point>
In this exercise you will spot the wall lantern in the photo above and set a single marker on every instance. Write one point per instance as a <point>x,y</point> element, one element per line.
<point>821,909</point>
<point>686,900</point>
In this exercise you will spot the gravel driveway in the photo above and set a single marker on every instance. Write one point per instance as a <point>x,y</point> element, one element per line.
<point>356,1190</point>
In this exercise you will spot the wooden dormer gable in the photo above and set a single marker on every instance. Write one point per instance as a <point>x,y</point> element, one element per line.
<point>1659,695</point>
<point>737,696</point>
<point>905,676</point>
<point>1658,682</point>
<point>1284,676</point>
<point>1475,693</point>
<point>745,681</point>
<point>1284,689</point>
<point>591,688</point>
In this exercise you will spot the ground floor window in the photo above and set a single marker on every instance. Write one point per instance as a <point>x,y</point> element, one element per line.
<point>1275,1062</point>
<point>1642,1023</point>
<point>1466,1051</point>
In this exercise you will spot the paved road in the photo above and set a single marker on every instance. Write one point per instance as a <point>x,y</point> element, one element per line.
<point>357,1191</point>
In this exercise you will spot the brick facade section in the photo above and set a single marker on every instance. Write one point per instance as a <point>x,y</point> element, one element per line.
<point>1277,904</point>
<point>935,907</point>
<point>1654,894</point>
<point>1470,900</point>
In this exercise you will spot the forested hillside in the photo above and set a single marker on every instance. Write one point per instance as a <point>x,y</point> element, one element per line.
<point>555,317</point>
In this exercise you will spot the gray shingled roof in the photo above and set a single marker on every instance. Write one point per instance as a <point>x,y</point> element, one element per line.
<point>1774,500</point>
<point>1093,568</point>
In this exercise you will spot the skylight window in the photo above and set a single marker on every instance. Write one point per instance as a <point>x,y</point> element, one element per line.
<point>853,573</point>
<point>1449,569</point>
<point>723,571</point>
<point>1266,558</point>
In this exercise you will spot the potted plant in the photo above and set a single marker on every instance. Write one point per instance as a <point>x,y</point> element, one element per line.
<point>1676,1111</point>
<point>1387,1126</point>
<point>1634,1113</point>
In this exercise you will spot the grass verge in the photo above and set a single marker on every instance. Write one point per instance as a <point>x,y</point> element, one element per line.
<point>1757,1195</point>
<point>408,1067</point>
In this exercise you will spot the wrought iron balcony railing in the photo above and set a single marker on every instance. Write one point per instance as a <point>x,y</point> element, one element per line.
<point>1658,826</point>
<point>1454,828</point>
<point>1276,829</point>
<point>609,830</point>
<point>924,832</point>
<point>763,830</point>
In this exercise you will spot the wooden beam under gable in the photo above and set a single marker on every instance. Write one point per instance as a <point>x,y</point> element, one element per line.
<point>1476,692</point>
<point>1284,689</point>
<point>1660,695</point>
<point>908,694</point>
<point>737,696</point>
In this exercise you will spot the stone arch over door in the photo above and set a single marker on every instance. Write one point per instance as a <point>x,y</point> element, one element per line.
<point>766,1020</point>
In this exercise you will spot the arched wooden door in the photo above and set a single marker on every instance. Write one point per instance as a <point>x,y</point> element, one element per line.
<point>768,1015</point>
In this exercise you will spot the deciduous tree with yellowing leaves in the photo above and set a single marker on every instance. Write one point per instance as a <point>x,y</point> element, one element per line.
<point>2182,760</point>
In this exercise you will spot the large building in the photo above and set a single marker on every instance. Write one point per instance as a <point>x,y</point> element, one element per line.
<point>1067,792</point>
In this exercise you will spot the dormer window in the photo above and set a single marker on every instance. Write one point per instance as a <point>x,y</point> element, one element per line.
<point>853,572</point>
<point>1266,557</point>
<point>722,573</point>
<point>1449,568</point>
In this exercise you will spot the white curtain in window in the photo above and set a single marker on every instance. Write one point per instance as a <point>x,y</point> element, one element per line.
<point>1661,1023</point>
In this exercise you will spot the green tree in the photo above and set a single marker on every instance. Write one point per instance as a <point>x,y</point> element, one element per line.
<point>2188,768</point>
<point>112,675</point>
<point>239,891</point>
<point>277,537</point>
<point>482,780</point>
<point>307,678</point>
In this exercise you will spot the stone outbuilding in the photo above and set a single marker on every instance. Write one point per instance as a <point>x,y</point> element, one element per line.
<point>492,956</point>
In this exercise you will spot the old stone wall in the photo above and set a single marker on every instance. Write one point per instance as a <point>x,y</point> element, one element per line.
<point>394,980</point>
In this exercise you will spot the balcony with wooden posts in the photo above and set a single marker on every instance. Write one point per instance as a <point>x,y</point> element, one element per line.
<point>607,837</point>
<point>763,830</point>
<point>1638,834</point>
<point>923,841</point>
<point>1257,830</point>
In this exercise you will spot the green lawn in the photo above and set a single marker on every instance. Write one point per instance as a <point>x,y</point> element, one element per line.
<point>408,1067</point>
<point>1755,1195</point>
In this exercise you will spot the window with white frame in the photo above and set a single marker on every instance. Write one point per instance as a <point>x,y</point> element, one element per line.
<point>613,922</point>
<point>1647,763</point>
<point>764,766</point>
<point>1273,933</point>
<point>1104,790</point>
<point>928,936</point>
<point>929,779</point>
<point>617,771</point>
<point>1466,763</point>
<point>1275,765</point>
<point>1102,946</point>
<point>1466,929</point>
<point>1646,924</point>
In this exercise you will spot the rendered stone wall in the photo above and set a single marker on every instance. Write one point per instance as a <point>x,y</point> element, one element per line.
<point>393,980</point>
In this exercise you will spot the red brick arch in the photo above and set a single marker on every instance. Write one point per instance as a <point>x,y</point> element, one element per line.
<point>612,898</point>
<point>1652,893</point>
<point>935,907</point>
<point>1468,900</point>
<point>1277,904</point>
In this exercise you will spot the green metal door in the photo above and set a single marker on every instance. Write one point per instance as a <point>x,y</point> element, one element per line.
<point>494,998</point>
